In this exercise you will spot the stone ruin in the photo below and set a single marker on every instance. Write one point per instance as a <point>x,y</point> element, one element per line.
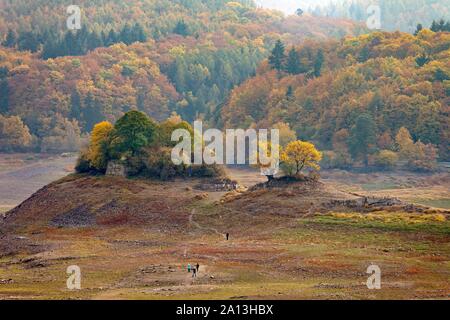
<point>218,185</point>
<point>366,202</point>
<point>116,169</point>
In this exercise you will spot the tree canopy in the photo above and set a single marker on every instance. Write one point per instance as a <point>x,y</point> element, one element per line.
<point>298,155</point>
<point>155,56</point>
<point>132,132</point>
<point>368,88</point>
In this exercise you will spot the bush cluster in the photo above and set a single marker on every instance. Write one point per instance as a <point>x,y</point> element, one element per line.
<point>142,145</point>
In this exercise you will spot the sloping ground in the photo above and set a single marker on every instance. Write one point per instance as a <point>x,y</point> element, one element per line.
<point>77,201</point>
<point>134,238</point>
<point>85,201</point>
<point>287,197</point>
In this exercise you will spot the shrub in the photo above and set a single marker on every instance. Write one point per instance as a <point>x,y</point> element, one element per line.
<point>332,159</point>
<point>83,164</point>
<point>158,163</point>
<point>386,159</point>
<point>64,137</point>
<point>167,127</point>
<point>135,165</point>
<point>14,134</point>
<point>419,156</point>
<point>425,158</point>
<point>207,171</point>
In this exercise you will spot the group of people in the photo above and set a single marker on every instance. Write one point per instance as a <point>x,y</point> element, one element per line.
<point>194,269</point>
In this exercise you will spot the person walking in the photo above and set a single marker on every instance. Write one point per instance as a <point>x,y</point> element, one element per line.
<point>194,273</point>
<point>189,267</point>
<point>228,236</point>
<point>198,267</point>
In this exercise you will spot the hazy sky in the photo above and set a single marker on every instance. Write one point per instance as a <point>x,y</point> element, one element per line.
<point>289,6</point>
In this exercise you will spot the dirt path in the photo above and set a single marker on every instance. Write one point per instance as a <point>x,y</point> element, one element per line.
<point>190,280</point>
<point>195,224</point>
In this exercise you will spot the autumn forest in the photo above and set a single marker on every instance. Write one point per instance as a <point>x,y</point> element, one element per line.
<point>241,151</point>
<point>355,93</point>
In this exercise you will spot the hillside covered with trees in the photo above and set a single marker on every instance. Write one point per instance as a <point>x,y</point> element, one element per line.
<point>231,64</point>
<point>367,99</point>
<point>401,15</point>
<point>158,57</point>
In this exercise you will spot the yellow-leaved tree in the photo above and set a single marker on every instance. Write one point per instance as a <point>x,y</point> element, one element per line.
<point>419,156</point>
<point>98,146</point>
<point>14,134</point>
<point>299,155</point>
<point>405,144</point>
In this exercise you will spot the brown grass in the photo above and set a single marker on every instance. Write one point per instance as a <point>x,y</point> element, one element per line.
<point>146,232</point>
